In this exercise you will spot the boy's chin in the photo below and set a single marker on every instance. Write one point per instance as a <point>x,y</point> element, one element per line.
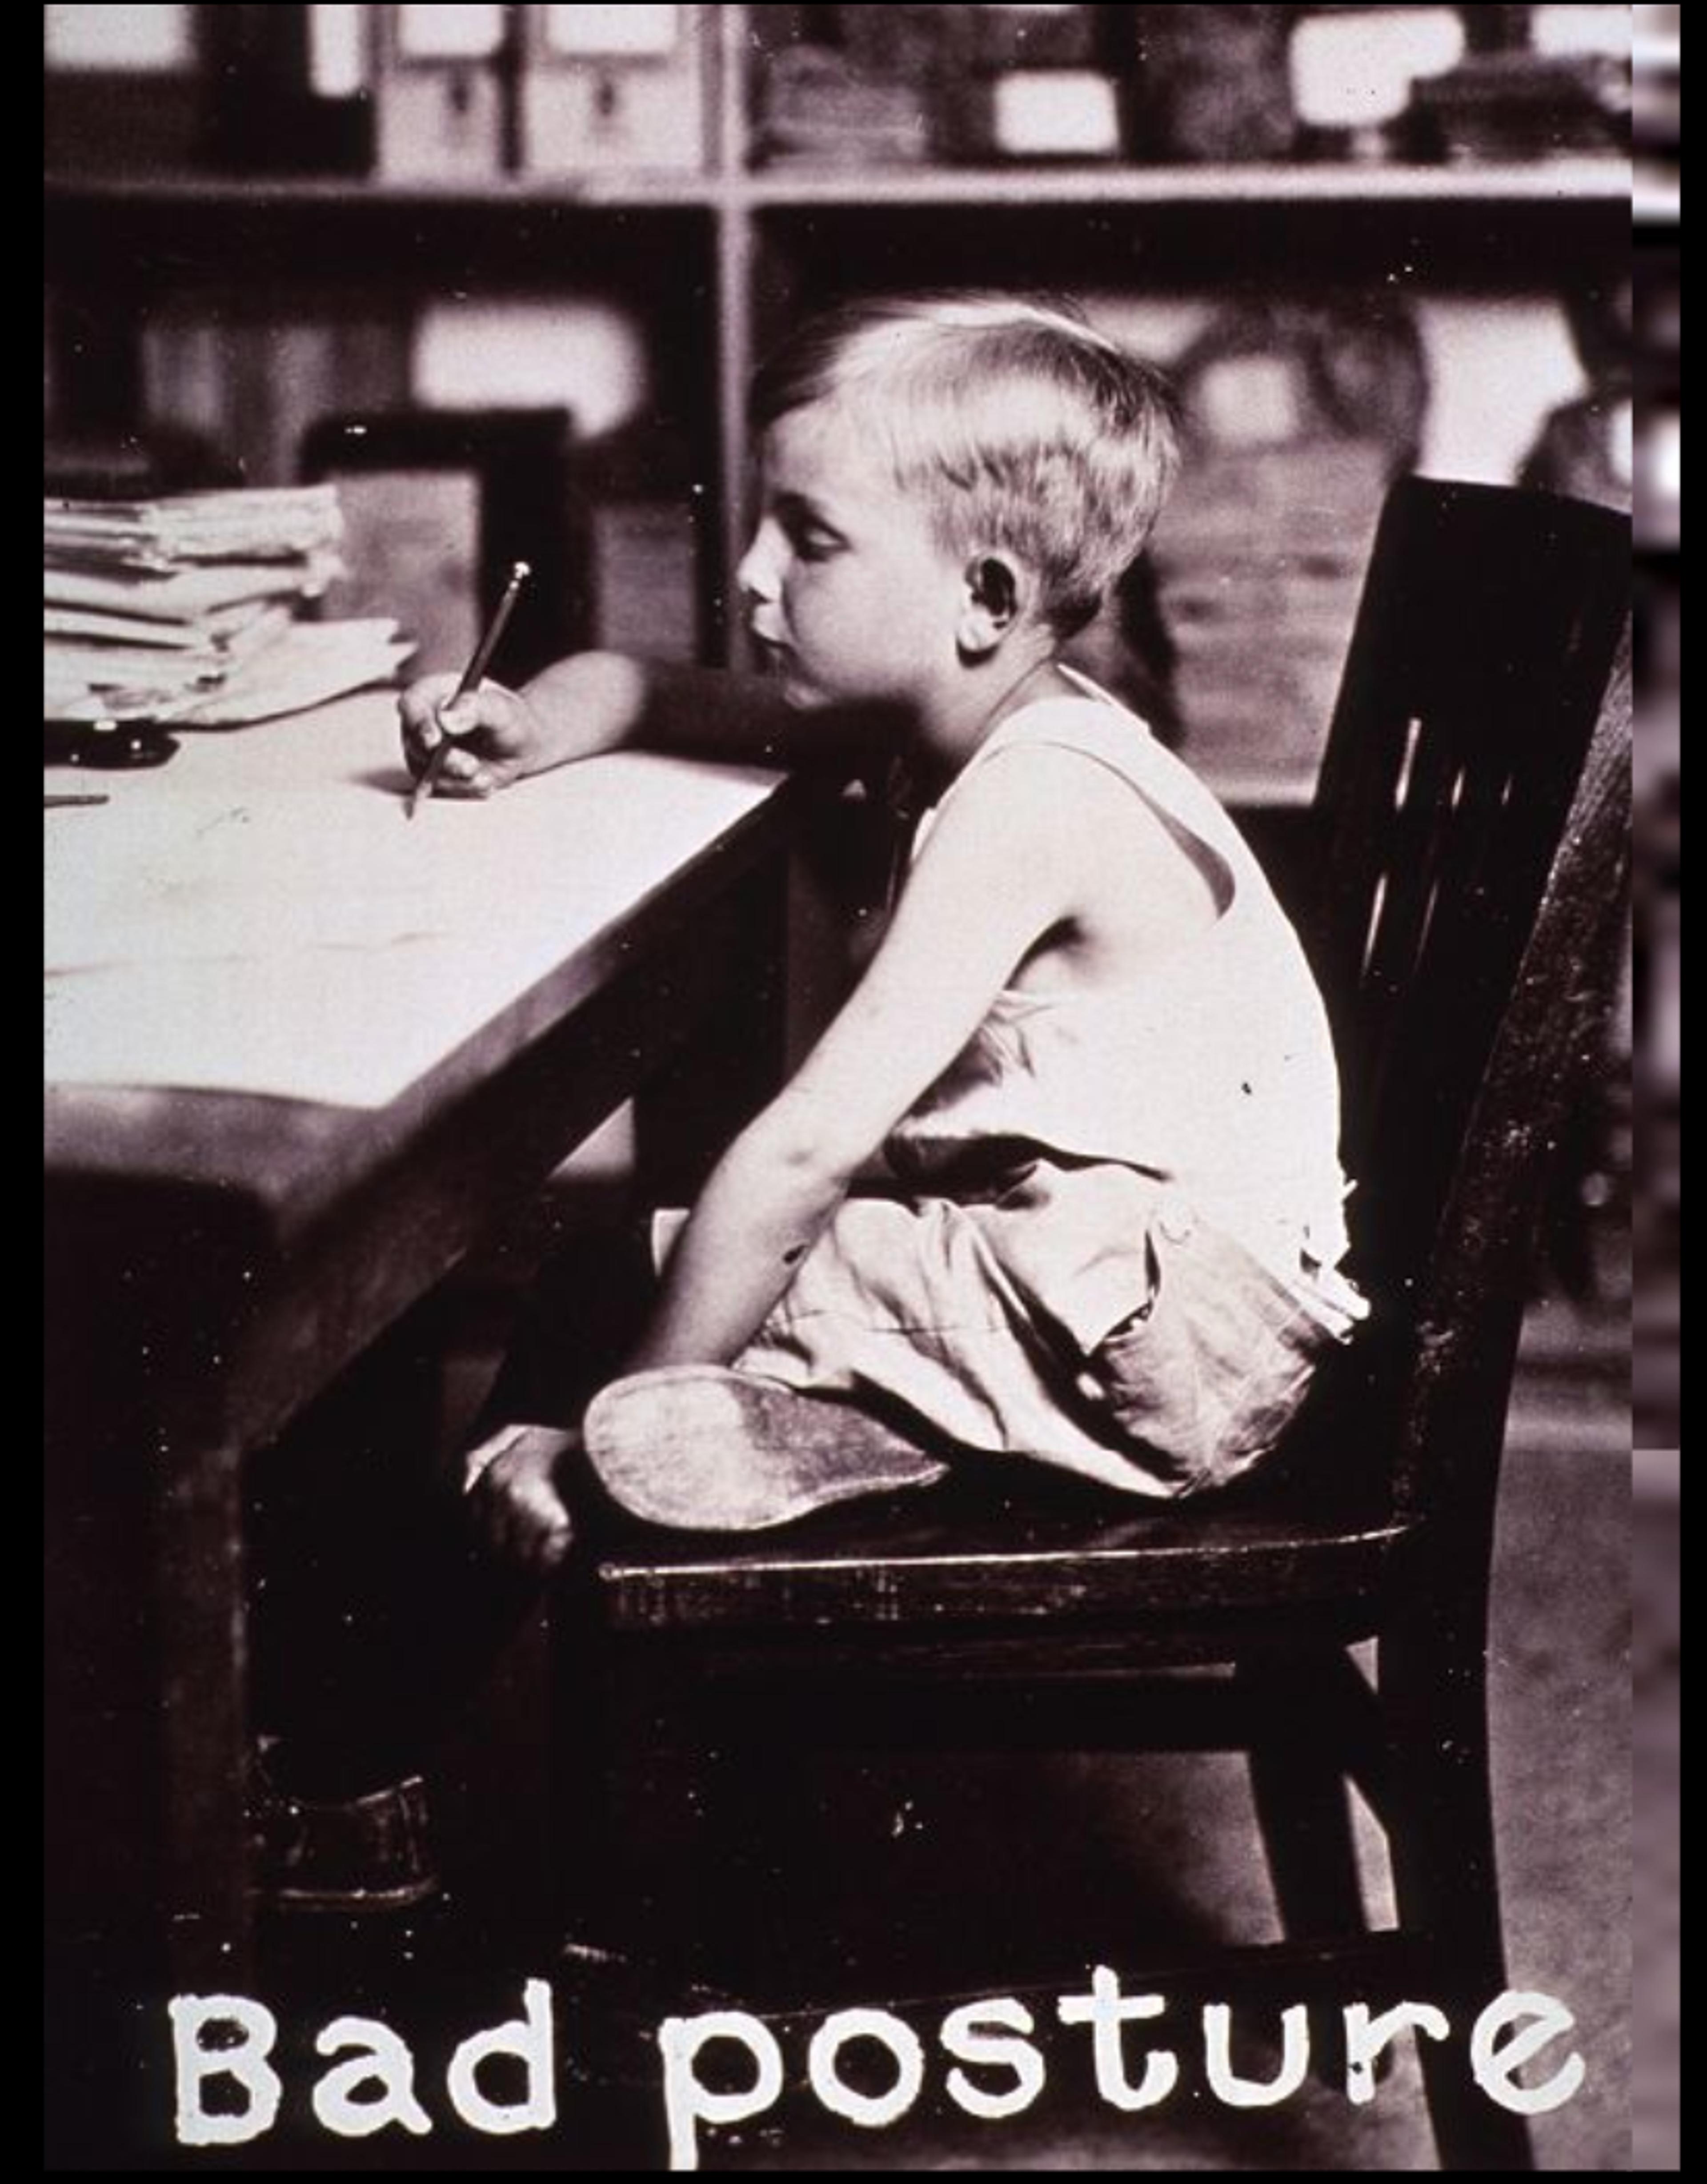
<point>798,694</point>
<point>800,690</point>
<point>778,668</point>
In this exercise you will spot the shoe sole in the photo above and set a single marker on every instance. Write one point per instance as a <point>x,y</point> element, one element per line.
<point>706,1449</point>
<point>368,1854</point>
<point>354,1902</point>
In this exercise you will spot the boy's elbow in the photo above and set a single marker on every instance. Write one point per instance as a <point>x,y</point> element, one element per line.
<point>814,1154</point>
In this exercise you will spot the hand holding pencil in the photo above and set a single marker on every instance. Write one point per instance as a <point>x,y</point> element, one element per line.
<point>470,738</point>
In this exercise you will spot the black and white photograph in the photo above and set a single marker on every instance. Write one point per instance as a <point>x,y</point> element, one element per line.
<point>861,1029</point>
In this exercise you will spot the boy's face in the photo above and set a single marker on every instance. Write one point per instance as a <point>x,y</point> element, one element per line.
<point>849,592</point>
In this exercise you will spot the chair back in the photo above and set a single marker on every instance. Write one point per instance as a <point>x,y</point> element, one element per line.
<point>1473,810</point>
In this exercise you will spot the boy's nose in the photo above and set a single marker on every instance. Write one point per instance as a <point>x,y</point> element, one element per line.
<point>757,575</point>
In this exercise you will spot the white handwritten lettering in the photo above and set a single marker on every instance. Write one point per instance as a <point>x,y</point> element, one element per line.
<point>995,2064</point>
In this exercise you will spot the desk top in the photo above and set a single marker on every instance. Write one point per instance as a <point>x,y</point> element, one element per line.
<point>267,981</point>
<point>259,916</point>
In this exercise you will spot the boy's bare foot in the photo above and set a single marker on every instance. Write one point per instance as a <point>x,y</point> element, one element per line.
<point>510,1480</point>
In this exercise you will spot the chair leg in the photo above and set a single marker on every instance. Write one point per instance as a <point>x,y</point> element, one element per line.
<point>1304,1814</point>
<point>607,1983</point>
<point>582,1754</point>
<point>625,1829</point>
<point>1445,1879</point>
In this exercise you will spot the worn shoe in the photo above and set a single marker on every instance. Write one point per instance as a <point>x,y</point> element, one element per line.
<point>355,1855</point>
<point>704,1448</point>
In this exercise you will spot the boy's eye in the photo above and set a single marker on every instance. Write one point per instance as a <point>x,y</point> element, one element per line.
<point>810,538</point>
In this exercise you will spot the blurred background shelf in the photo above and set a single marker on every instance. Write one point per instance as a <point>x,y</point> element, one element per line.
<point>1566,181</point>
<point>186,299</point>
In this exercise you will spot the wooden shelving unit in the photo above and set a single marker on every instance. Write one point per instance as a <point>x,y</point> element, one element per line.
<point>716,263</point>
<point>1553,182</point>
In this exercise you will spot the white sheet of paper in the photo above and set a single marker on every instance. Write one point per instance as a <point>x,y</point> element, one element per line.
<point>312,943</point>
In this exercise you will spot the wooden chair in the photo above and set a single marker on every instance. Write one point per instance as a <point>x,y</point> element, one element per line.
<point>1472,819</point>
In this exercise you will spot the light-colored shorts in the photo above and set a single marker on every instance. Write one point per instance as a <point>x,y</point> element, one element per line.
<point>1081,1315</point>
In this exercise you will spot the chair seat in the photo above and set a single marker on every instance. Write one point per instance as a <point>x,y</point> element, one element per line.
<point>920,1564</point>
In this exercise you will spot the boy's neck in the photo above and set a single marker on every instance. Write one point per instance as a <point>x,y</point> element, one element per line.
<point>983,697</point>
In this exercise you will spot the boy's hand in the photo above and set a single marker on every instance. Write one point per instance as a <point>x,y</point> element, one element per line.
<point>510,1480</point>
<point>495,736</point>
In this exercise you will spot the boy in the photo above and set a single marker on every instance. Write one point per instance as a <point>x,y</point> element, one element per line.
<point>1089,1043</point>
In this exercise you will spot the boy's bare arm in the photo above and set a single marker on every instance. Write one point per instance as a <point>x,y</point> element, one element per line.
<point>997,873</point>
<point>594,702</point>
<point>713,712</point>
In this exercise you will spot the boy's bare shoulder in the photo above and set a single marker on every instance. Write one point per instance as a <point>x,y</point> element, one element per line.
<point>1055,814</point>
<point>1056,797</point>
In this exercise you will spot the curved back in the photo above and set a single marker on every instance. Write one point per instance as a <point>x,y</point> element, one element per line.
<point>1473,811</point>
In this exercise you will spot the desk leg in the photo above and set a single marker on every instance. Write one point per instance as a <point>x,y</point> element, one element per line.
<point>146,1857</point>
<point>146,1744</point>
<point>201,1619</point>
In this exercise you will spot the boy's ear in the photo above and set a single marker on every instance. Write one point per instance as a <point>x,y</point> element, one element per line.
<point>992,595</point>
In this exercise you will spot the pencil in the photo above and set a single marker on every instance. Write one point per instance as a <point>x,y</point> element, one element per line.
<point>426,781</point>
<point>50,802</point>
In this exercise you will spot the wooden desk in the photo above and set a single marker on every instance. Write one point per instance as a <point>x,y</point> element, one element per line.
<point>215,1256</point>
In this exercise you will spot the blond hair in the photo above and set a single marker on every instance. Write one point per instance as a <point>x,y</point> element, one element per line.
<point>1020,426</point>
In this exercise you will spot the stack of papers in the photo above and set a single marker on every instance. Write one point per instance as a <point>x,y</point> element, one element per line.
<point>155,538</point>
<point>185,608</point>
